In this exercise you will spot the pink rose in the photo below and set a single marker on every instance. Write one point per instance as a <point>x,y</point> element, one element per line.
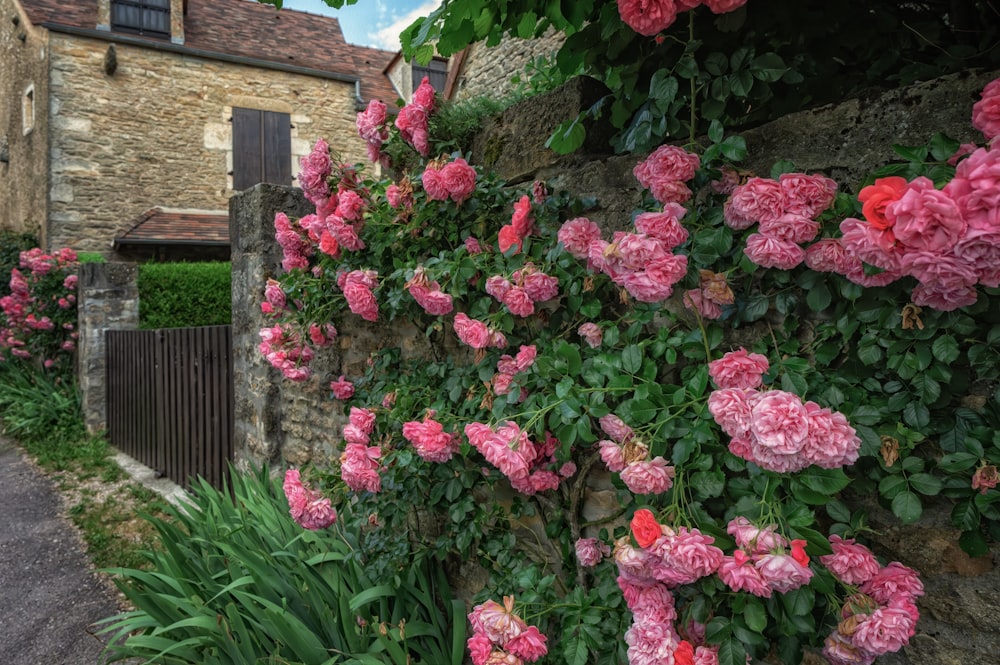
<point>342,388</point>
<point>925,219</point>
<point>730,407</point>
<point>689,554</point>
<point>576,235</point>
<point>976,189</point>
<point>472,332</point>
<point>850,563</point>
<point>670,191</point>
<point>541,287</point>
<point>782,572</point>
<point>473,246</point>
<point>779,421</point>
<point>590,551</point>
<point>887,629</point>
<point>638,250</point>
<point>434,184</point>
<point>423,96</point>
<point>791,227</point>
<point>521,220</point>
<point>591,334</point>
<point>361,301</point>
<point>528,645</point>
<point>616,428</point>
<point>647,17</point>
<point>519,302</point>
<point>739,574</point>
<point>980,249</point>
<point>648,476</point>
<point>706,307</point>
<point>459,179</point>
<point>755,539</point>
<point>309,508</point>
<point>611,455</point>
<point>430,440</point>
<point>807,195</point>
<point>986,112</point>
<point>944,298</point>
<point>667,162</point>
<point>830,255</point>
<point>772,252</point>
<point>831,442</point>
<point>359,468</point>
<point>892,581</point>
<point>350,205</point>
<point>314,170</point>
<point>939,270</point>
<point>645,288</point>
<point>664,226</point>
<point>757,200</point>
<point>868,244</point>
<point>738,369</point>
<point>723,6</point>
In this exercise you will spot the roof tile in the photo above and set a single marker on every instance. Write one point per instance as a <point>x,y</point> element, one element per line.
<point>171,226</point>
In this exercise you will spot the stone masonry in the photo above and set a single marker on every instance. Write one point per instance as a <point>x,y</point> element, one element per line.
<point>488,70</point>
<point>23,121</point>
<point>158,132</point>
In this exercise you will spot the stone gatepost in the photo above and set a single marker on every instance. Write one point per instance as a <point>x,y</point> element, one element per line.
<point>107,299</point>
<point>256,256</point>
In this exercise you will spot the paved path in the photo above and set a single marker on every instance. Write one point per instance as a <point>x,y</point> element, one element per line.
<point>48,595</point>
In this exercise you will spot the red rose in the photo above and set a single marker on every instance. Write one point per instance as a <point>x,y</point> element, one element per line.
<point>799,552</point>
<point>874,199</point>
<point>645,529</point>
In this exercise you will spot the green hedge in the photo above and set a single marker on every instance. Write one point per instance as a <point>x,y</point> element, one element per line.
<point>179,295</point>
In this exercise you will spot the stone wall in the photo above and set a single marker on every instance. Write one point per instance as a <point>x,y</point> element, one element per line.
<point>157,132</point>
<point>488,70</point>
<point>107,299</point>
<point>24,70</point>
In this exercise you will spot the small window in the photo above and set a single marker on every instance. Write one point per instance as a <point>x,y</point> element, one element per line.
<point>436,72</point>
<point>143,17</point>
<point>262,148</point>
<point>28,109</point>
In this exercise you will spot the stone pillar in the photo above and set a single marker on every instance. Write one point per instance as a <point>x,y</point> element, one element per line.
<point>107,299</point>
<point>256,256</point>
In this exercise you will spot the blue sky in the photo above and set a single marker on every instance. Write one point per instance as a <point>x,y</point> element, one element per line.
<point>374,23</point>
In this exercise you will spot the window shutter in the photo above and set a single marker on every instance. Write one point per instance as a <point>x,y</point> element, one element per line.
<point>247,148</point>
<point>277,148</point>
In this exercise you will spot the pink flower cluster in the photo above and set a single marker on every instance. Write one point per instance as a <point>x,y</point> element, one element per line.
<point>430,440</point>
<point>501,637</point>
<point>37,326</point>
<point>526,286</point>
<point>774,429</point>
<point>986,112</point>
<point>342,388</point>
<point>882,616</point>
<point>526,464</point>
<point>646,576</point>
<point>359,464</point>
<point>948,240</point>
<point>786,209</point>
<point>454,180</point>
<point>510,366</point>
<point>648,17</point>
<point>590,551</point>
<point>357,287</point>
<point>283,346</point>
<point>665,171</point>
<point>522,224</point>
<point>371,124</point>
<point>295,246</point>
<point>642,263</point>
<point>591,333</point>
<point>626,454</point>
<point>428,294</point>
<point>477,334</point>
<point>309,508</point>
<point>712,294</point>
<point>314,173</point>
<point>413,118</point>
<point>763,561</point>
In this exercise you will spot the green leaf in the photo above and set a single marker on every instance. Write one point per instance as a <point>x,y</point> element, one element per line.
<point>734,148</point>
<point>715,131</point>
<point>891,486</point>
<point>827,481</point>
<point>965,516</point>
<point>755,615</point>
<point>768,67</point>
<point>663,88</point>
<point>973,543</point>
<point>926,388</point>
<point>794,383</point>
<point>916,415</point>
<point>526,26</point>
<point>945,349</point>
<point>568,136</point>
<point>870,353</point>
<point>906,506</point>
<point>943,146</point>
<point>708,484</point>
<point>925,483</point>
<point>818,298</point>
<point>631,358</point>
<point>731,652</point>
<point>958,461</point>
<point>911,153</point>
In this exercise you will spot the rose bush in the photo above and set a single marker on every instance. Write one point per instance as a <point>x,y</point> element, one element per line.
<point>741,540</point>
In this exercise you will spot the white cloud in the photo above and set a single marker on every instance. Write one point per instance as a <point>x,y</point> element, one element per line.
<point>388,37</point>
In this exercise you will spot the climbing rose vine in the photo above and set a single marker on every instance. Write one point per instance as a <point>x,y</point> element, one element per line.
<point>581,363</point>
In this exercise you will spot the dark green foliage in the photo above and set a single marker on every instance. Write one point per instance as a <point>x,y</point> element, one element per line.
<point>179,295</point>
<point>238,582</point>
<point>11,246</point>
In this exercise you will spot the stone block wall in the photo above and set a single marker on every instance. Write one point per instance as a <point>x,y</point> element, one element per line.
<point>23,121</point>
<point>107,299</point>
<point>488,70</point>
<point>157,132</point>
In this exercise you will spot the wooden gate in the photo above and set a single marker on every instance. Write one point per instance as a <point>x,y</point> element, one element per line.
<point>170,399</point>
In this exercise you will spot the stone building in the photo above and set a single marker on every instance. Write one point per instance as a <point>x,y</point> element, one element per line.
<point>127,124</point>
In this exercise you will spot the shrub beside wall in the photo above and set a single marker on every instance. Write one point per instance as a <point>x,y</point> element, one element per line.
<point>178,295</point>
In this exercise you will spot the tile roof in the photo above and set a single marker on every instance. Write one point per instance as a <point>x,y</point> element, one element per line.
<point>173,226</point>
<point>248,29</point>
